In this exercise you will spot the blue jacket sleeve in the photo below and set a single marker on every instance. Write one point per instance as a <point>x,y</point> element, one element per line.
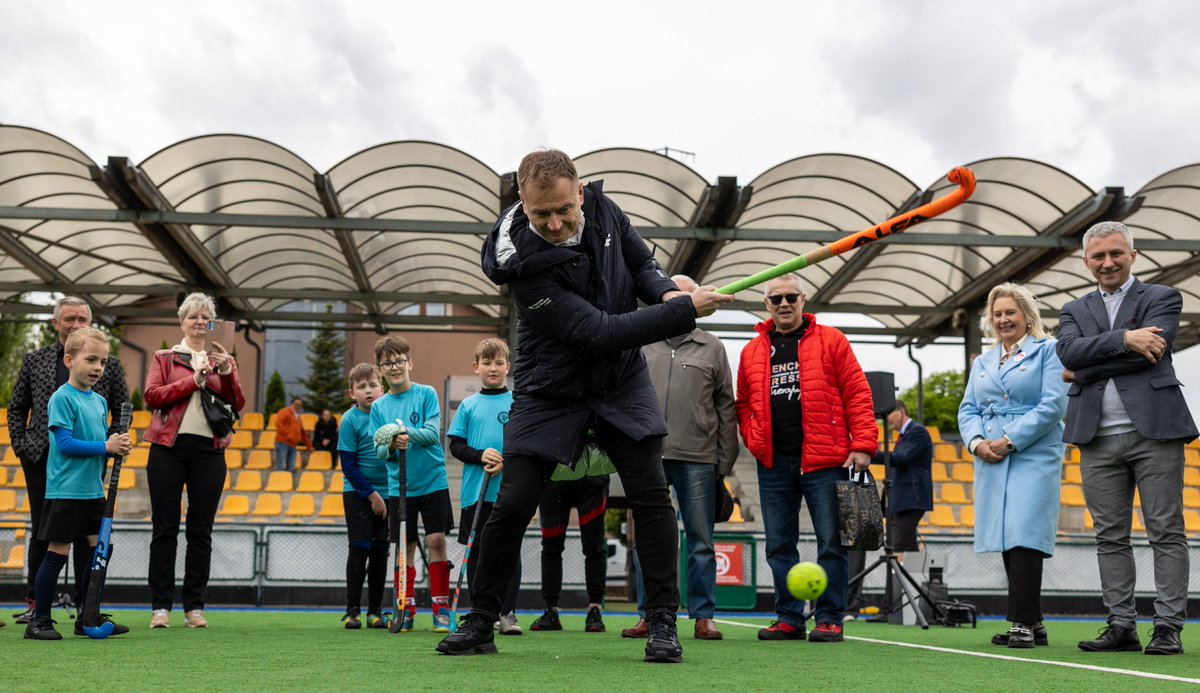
<point>68,445</point>
<point>349,462</point>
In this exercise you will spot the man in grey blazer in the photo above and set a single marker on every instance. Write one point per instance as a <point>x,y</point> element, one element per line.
<point>1127,414</point>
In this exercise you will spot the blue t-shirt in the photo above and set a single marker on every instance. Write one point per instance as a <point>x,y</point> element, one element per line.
<point>426,463</point>
<point>480,421</point>
<point>355,435</point>
<point>85,415</point>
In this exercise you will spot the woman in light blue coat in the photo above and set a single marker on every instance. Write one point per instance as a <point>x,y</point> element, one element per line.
<point>1011,418</point>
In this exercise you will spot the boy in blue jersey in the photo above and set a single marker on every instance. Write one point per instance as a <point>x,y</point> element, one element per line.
<point>78,426</point>
<point>427,491</point>
<point>477,439</point>
<point>364,476</point>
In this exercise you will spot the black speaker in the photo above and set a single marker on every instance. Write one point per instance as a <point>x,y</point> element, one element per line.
<point>883,392</point>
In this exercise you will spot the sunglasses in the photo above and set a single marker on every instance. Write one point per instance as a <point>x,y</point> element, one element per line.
<point>790,298</point>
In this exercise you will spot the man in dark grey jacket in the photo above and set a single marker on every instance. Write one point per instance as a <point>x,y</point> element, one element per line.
<point>43,372</point>
<point>576,269</point>
<point>1127,414</point>
<point>692,377</point>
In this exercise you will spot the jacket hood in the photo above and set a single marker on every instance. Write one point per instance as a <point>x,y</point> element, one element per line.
<point>513,249</point>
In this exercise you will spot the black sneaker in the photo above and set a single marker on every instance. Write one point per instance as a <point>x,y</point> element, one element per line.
<point>548,620</point>
<point>1039,637</point>
<point>474,636</point>
<point>594,623</point>
<point>42,629</point>
<point>118,629</point>
<point>662,645</point>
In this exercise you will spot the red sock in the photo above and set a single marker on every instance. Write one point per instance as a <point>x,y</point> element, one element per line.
<point>409,601</point>
<point>439,584</point>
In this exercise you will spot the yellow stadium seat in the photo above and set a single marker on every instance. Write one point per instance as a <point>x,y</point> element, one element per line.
<point>279,482</point>
<point>16,558</point>
<point>311,482</point>
<point>942,516</point>
<point>331,506</point>
<point>1088,523</point>
<point>128,480</point>
<point>1071,496</point>
<point>877,471</point>
<point>1071,456</point>
<point>300,506</point>
<point>8,500</point>
<point>23,508</point>
<point>266,441</point>
<point>966,516</point>
<point>1191,521</point>
<point>259,459</point>
<point>3,416</point>
<point>939,473</point>
<point>320,461</point>
<point>4,438</point>
<point>335,482</point>
<point>270,423</point>
<point>251,421</point>
<point>226,486</point>
<point>954,494</point>
<point>963,472</point>
<point>935,434</point>
<point>307,421</point>
<point>1138,525</point>
<point>268,505</point>
<point>248,481</point>
<point>1191,497</point>
<point>141,420</point>
<point>18,480</point>
<point>945,452</point>
<point>233,458</point>
<point>1191,477</point>
<point>138,458</point>
<point>10,458</point>
<point>1072,474</point>
<point>3,477</point>
<point>736,516</point>
<point>235,506</point>
<point>1191,457</point>
<point>241,440</point>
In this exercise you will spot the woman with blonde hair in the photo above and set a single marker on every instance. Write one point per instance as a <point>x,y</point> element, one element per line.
<point>1011,419</point>
<point>184,452</point>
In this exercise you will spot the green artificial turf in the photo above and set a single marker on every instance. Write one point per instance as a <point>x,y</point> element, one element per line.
<point>268,651</point>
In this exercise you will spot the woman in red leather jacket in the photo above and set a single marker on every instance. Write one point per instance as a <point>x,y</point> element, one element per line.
<point>185,452</point>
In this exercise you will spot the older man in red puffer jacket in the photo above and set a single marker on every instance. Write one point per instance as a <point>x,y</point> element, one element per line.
<point>805,413</point>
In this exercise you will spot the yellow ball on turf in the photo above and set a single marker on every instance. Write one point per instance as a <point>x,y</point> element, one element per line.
<point>806,581</point>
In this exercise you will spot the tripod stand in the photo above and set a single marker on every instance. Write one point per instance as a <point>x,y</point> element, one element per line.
<point>894,571</point>
<point>63,599</point>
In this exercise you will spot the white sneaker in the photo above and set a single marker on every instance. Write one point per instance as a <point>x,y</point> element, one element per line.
<point>195,618</point>
<point>161,618</point>
<point>508,624</point>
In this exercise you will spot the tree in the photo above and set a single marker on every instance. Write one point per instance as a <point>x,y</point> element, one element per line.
<point>326,383</point>
<point>14,344</point>
<point>276,396</point>
<point>943,394</point>
<point>136,399</point>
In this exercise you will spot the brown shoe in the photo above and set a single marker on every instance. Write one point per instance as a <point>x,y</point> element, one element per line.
<point>707,630</point>
<point>641,631</point>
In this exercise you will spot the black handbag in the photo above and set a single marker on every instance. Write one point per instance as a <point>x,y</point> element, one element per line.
<point>724,505</point>
<point>860,514</point>
<point>221,415</point>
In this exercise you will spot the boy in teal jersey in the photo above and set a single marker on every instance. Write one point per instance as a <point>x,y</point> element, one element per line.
<point>78,425</point>
<point>476,438</point>
<point>364,475</point>
<point>427,490</point>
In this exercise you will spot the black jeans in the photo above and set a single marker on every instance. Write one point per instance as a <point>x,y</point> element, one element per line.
<point>639,464</point>
<point>35,489</point>
<point>194,462</point>
<point>589,495</point>
<point>1024,569</point>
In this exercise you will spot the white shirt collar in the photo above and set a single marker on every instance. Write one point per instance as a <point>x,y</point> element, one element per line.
<point>1122,289</point>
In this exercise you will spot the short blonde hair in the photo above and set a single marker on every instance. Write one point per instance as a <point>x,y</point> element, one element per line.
<point>196,302</point>
<point>491,348</point>
<point>81,336</point>
<point>1025,301</point>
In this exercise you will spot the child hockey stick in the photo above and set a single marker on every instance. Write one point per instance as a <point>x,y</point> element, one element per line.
<point>91,605</point>
<point>462,570</point>
<point>400,566</point>
<point>966,185</point>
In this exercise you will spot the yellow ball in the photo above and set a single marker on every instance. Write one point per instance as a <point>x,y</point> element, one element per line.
<point>806,581</point>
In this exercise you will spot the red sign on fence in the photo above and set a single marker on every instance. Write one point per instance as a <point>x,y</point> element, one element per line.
<point>729,564</point>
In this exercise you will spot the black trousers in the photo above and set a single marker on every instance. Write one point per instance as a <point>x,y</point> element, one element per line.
<point>1023,567</point>
<point>192,462</point>
<point>35,489</point>
<point>639,464</point>
<point>589,495</point>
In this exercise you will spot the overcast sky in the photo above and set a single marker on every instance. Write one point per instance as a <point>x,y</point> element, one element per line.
<point>1107,91</point>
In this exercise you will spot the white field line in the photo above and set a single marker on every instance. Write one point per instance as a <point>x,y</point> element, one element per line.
<point>985,655</point>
